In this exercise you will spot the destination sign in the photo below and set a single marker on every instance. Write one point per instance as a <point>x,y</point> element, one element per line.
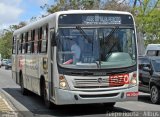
<point>93,19</point>
<point>96,19</point>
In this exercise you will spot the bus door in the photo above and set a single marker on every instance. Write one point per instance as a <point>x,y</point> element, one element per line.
<point>17,62</point>
<point>52,63</point>
<point>15,59</point>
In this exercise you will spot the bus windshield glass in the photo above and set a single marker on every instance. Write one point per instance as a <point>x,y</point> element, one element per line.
<point>96,47</point>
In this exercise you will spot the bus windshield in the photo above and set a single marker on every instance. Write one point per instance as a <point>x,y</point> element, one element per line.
<point>96,47</point>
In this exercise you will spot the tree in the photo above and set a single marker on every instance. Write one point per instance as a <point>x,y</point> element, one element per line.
<point>147,19</point>
<point>135,2</point>
<point>72,4</point>
<point>119,5</point>
<point>6,45</point>
<point>6,40</point>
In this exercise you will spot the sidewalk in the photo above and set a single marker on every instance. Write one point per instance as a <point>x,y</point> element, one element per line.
<point>6,107</point>
<point>4,104</point>
<point>9,107</point>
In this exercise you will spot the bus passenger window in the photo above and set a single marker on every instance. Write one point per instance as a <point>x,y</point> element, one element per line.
<point>26,42</point>
<point>19,48</point>
<point>29,43</point>
<point>14,45</point>
<point>23,48</point>
<point>36,41</point>
<point>32,41</point>
<point>44,39</point>
<point>23,44</point>
<point>40,40</point>
<point>29,47</point>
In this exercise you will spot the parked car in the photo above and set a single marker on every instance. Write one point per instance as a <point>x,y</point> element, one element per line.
<point>8,64</point>
<point>143,61</point>
<point>4,62</point>
<point>150,79</point>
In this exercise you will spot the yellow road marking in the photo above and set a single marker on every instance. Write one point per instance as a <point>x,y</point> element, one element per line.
<point>4,106</point>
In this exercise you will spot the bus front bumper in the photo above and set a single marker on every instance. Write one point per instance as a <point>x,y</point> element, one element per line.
<point>64,97</point>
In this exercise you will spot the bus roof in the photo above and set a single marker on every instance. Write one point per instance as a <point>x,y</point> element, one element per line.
<point>92,11</point>
<point>51,16</point>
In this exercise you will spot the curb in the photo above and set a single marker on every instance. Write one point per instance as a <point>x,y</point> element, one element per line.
<point>4,104</point>
<point>18,108</point>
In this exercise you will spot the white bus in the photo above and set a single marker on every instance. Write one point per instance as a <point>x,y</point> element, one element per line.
<point>78,57</point>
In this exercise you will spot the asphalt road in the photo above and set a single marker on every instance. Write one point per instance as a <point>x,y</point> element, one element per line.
<point>35,106</point>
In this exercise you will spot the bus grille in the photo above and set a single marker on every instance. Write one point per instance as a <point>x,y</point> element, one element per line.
<point>91,83</point>
<point>97,83</point>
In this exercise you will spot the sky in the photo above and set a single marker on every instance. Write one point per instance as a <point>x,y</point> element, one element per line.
<point>15,11</point>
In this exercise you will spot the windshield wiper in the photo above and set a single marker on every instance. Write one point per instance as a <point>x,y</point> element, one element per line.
<point>106,41</point>
<point>110,51</point>
<point>83,34</point>
<point>89,40</point>
<point>110,34</point>
<point>98,64</point>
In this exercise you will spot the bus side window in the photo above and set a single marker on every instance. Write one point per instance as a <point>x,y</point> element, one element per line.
<point>36,41</point>
<point>26,42</point>
<point>14,45</point>
<point>29,42</point>
<point>20,44</point>
<point>23,44</point>
<point>44,39</point>
<point>32,41</point>
<point>39,39</point>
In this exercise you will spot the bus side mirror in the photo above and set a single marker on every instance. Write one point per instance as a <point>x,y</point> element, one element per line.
<point>53,38</point>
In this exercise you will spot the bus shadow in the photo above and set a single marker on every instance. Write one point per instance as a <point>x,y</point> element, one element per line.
<point>35,105</point>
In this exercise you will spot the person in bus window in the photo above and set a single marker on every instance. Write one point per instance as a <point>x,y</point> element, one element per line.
<point>76,51</point>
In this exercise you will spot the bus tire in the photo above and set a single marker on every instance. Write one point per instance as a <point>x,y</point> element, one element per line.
<point>23,90</point>
<point>47,103</point>
<point>109,104</point>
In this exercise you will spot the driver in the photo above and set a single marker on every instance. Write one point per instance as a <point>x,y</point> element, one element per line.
<point>76,50</point>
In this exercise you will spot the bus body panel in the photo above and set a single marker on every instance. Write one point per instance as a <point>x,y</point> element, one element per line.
<point>68,97</point>
<point>88,95</point>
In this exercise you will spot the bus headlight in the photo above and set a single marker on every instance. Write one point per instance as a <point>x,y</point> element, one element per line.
<point>63,83</point>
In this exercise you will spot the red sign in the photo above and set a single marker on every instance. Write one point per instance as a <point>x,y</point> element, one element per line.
<point>118,80</point>
<point>132,94</point>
